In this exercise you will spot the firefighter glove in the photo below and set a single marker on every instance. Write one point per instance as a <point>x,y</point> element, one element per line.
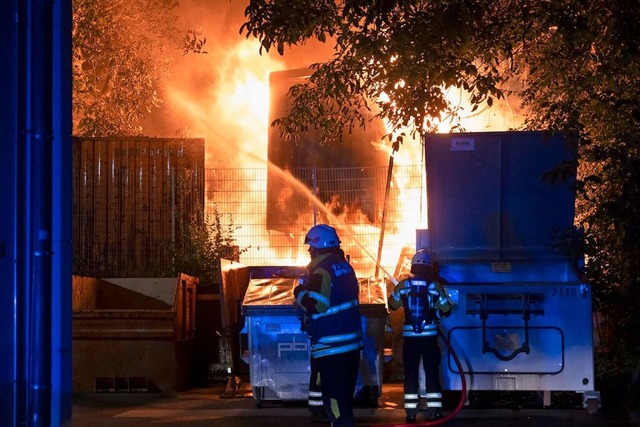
<point>433,290</point>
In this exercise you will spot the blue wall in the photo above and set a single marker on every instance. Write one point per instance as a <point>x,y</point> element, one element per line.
<point>35,216</point>
<point>8,88</point>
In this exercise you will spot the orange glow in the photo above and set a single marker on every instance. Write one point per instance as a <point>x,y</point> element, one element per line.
<point>502,115</point>
<point>224,98</point>
<point>231,115</point>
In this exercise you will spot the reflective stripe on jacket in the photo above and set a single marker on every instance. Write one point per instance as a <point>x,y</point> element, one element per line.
<point>338,328</point>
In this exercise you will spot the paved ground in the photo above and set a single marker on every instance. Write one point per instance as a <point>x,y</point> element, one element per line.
<point>208,407</point>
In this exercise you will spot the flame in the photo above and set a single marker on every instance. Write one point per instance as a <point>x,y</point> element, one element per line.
<point>501,116</point>
<point>225,99</point>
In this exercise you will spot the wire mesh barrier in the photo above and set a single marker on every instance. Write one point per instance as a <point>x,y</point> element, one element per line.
<point>135,198</point>
<point>269,211</point>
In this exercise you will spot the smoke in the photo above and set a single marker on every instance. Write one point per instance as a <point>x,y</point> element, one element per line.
<point>223,95</point>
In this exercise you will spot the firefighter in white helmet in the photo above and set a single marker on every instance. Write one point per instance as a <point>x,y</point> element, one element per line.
<point>330,301</point>
<point>425,301</point>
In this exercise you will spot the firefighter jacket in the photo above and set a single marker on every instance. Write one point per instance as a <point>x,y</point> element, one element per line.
<point>330,301</point>
<point>424,301</point>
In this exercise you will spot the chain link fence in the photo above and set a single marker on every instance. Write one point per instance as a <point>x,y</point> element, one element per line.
<point>270,210</point>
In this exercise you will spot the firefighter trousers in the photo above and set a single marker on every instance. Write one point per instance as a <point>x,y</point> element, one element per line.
<point>338,377</point>
<point>315,390</point>
<point>427,350</point>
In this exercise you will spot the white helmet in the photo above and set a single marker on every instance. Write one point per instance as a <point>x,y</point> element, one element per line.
<point>322,236</point>
<point>421,257</point>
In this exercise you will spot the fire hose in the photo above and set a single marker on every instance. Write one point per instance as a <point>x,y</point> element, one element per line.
<point>463,391</point>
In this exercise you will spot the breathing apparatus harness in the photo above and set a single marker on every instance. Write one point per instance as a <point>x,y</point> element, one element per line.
<point>420,315</point>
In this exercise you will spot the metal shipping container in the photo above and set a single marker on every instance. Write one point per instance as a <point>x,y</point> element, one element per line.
<point>278,352</point>
<point>131,196</point>
<point>522,316</point>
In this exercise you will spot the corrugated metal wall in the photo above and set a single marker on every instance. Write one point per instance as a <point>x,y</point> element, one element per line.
<point>130,197</point>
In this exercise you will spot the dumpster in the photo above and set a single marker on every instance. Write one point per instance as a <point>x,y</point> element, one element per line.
<point>132,335</point>
<point>522,317</point>
<point>278,352</point>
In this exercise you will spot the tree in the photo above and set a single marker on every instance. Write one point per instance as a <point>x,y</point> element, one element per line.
<point>574,64</point>
<point>586,76</point>
<point>400,56</point>
<point>120,49</point>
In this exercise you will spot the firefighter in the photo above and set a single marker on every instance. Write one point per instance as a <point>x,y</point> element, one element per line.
<point>425,301</point>
<point>330,301</point>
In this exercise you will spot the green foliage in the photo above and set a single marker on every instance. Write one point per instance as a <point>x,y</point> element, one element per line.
<point>409,51</point>
<point>202,244</point>
<point>586,75</point>
<point>120,49</point>
<point>574,64</point>
<point>289,22</point>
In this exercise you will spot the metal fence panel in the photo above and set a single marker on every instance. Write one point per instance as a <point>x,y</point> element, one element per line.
<point>270,226</point>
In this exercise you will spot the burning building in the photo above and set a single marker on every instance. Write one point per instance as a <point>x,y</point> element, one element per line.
<point>319,166</point>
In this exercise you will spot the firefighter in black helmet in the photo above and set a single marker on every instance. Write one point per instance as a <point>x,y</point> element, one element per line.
<point>330,300</point>
<point>425,301</point>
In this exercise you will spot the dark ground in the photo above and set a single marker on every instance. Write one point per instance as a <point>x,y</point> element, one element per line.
<point>206,406</point>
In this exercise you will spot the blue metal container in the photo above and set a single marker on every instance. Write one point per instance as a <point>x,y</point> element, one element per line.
<point>522,316</point>
<point>277,350</point>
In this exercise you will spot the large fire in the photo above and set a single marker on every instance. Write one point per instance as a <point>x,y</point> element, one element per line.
<point>225,99</point>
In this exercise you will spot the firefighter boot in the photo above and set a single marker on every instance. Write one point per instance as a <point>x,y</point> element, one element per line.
<point>319,416</point>
<point>433,414</point>
<point>434,406</point>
